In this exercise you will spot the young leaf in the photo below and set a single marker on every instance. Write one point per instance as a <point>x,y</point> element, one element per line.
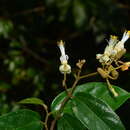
<point>21,120</point>
<point>69,122</point>
<point>94,113</point>
<point>32,100</point>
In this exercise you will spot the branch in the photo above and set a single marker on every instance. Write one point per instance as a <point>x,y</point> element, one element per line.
<point>34,10</point>
<point>33,54</point>
<point>88,75</point>
<point>112,90</point>
<point>70,92</point>
<point>65,101</point>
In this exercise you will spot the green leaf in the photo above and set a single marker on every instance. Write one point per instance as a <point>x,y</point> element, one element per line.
<point>15,44</point>
<point>32,100</point>
<point>5,27</point>
<point>94,113</point>
<point>31,72</point>
<point>68,122</point>
<point>100,90</point>
<point>97,89</point>
<point>21,120</point>
<point>55,106</point>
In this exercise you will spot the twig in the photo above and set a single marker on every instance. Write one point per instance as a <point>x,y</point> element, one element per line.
<point>111,88</point>
<point>77,78</point>
<point>47,116</point>
<point>64,82</point>
<point>88,75</point>
<point>29,51</point>
<point>65,101</point>
<point>65,86</point>
<point>34,10</point>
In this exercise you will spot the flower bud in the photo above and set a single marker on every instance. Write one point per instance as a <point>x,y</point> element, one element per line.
<point>65,68</point>
<point>102,73</point>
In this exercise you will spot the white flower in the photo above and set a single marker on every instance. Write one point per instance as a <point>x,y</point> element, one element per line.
<point>98,56</point>
<point>105,58</point>
<point>111,43</point>
<point>113,49</point>
<point>102,58</point>
<point>64,67</point>
<point>120,45</point>
<point>63,57</point>
<point>125,37</point>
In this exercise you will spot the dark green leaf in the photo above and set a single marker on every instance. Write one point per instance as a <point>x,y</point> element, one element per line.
<point>97,89</point>
<point>100,90</point>
<point>55,106</point>
<point>68,122</point>
<point>20,120</point>
<point>5,27</point>
<point>94,113</point>
<point>32,100</point>
<point>31,72</point>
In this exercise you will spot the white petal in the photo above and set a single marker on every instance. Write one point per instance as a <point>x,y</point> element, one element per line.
<point>126,36</point>
<point>62,49</point>
<point>64,58</point>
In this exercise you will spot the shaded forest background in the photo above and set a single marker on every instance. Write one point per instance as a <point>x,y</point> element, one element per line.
<point>29,56</point>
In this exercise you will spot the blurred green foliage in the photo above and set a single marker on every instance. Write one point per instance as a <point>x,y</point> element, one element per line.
<point>5,27</point>
<point>29,31</point>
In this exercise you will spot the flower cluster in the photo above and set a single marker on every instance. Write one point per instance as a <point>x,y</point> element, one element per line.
<point>114,50</point>
<point>112,54</point>
<point>64,67</point>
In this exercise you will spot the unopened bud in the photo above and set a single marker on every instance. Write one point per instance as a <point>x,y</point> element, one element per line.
<point>114,74</point>
<point>125,66</point>
<point>80,63</point>
<point>65,68</point>
<point>102,73</point>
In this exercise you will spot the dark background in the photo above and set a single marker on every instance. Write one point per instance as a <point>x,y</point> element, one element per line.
<point>29,56</point>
